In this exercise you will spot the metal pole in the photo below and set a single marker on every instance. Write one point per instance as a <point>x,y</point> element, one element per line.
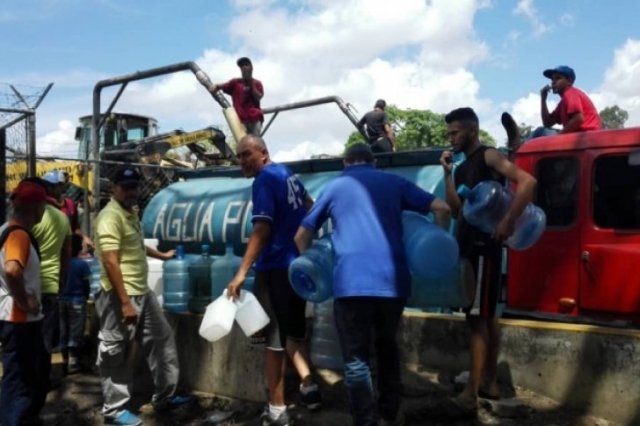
<point>31,144</point>
<point>3,175</point>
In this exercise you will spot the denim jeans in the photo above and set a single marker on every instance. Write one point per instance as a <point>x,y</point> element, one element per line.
<point>24,386</point>
<point>358,321</point>
<point>73,314</point>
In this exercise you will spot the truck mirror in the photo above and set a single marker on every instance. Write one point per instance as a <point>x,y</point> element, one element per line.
<point>634,158</point>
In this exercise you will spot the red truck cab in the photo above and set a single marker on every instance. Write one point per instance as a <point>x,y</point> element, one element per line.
<point>587,262</point>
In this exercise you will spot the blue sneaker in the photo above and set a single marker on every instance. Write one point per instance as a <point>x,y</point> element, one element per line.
<point>174,402</point>
<point>125,418</point>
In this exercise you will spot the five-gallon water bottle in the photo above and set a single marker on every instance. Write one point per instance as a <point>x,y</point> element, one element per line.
<point>175,275</point>
<point>223,270</point>
<point>311,274</point>
<point>487,203</point>
<point>95,268</point>
<point>200,282</point>
<point>325,349</point>
<point>431,251</point>
<point>454,289</point>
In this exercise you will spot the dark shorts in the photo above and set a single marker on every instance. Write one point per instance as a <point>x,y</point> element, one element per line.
<point>285,308</point>
<point>381,144</point>
<point>487,271</point>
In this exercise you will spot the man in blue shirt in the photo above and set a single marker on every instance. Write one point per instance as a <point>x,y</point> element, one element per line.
<point>280,201</point>
<point>371,275</point>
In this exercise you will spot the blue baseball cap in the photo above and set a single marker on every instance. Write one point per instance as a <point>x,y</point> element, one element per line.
<point>563,70</point>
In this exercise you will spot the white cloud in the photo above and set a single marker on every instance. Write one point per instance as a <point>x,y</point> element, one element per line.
<point>59,143</point>
<point>621,85</point>
<point>527,9</point>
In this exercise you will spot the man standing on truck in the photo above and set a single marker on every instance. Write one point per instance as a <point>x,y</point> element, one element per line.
<point>375,125</point>
<point>371,277</point>
<point>483,251</point>
<point>280,201</point>
<point>128,310</point>
<point>575,112</point>
<point>246,93</point>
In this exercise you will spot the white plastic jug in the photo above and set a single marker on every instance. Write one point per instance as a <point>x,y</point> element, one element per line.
<point>218,318</point>
<point>250,315</point>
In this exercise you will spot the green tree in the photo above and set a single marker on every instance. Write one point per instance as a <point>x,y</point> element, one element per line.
<point>416,129</point>
<point>613,117</point>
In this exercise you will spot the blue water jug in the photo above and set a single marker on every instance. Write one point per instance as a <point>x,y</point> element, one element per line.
<point>455,289</point>
<point>175,276</point>
<point>223,270</point>
<point>95,268</point>
<point>200,282</point>
<point>311,273</point>
<point>325,349</point>
<point>487,203</point>
<point>431,251</point>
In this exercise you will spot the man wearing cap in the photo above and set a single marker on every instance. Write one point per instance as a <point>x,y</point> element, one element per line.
<point>127,310</point>
<point>375,125</point>
<point>246,93</point>
<point>371,275</point>
<point>24,376</point>
<point>575,112</point>
<point>53,234</point>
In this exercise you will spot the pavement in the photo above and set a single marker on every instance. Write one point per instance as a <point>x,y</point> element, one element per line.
<point>77,402</point>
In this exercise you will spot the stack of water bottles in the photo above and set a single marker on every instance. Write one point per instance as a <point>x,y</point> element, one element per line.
<point>223,270</point>
<point>95,268</point>
<point>488,202</point>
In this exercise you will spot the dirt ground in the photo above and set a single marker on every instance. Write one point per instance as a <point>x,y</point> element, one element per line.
<point>77,401</point>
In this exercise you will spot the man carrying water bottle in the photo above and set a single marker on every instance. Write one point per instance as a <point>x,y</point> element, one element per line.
<point>371,280</point>
<point>280,201</point>
<point>484,252</point>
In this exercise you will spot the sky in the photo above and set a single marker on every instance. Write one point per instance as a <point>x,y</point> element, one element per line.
<point>418,54</point>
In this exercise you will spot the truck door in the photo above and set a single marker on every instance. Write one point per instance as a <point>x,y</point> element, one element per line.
<point>610,252</point>
<point>542,276</point>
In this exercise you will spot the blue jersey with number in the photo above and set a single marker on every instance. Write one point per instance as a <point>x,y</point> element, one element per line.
<point>278,198</point>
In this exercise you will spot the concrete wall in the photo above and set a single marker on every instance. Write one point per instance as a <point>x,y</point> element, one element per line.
<point>593,369</point>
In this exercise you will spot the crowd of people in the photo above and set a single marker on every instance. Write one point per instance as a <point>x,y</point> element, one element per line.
<point>44,282</point>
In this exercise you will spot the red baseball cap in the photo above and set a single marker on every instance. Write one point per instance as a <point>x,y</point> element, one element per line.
<point>28,192</point>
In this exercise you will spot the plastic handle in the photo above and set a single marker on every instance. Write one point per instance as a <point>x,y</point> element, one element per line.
<point>463,191</point>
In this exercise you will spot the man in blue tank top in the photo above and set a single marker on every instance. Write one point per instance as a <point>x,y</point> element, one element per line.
<point>280,201</point>
<point>483,251</point>
<point>371,275</point>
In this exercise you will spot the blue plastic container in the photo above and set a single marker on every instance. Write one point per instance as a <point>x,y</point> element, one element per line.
<point>487,203</point>
<point>200,282</point>
<point>452,290</point>
<point>311,274</point>
<point>95,268</point>
<point>175,276</point>
<point>431,251</point>
<point>223,270</point>
<point>325,345</point>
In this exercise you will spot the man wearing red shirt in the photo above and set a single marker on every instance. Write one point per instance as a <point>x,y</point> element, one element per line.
<point>246,93</point>
<point>575,111</point>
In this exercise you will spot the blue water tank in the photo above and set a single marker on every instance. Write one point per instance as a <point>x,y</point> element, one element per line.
<point>175,276</point>
<point>223,270</point>
<point>311,273</point>
<point>325,351</point>
<point>214,207</point>
<point>487,203</point>
<point>431,251</point>
<point>200,282</point>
